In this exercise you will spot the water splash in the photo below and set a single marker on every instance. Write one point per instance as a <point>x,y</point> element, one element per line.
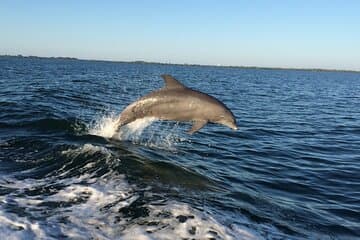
<point>133,130</point>
<point>105,126</point>
<point>162,135</point>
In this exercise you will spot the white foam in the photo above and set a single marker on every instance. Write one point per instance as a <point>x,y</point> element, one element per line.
<point>87,149</point>
<point>91,211</point>
<point>176,220</point>
<point>15,227</point>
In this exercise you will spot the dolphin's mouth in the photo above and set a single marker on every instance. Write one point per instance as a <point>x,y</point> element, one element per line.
<point>230,125</point>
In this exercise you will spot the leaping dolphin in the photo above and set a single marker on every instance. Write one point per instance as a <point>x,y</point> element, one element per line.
<point>177,102</point>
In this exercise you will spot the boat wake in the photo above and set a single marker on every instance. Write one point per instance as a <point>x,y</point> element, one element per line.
<point>96,205</point>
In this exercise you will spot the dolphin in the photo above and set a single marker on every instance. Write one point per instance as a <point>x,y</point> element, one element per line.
<point>176,102</point>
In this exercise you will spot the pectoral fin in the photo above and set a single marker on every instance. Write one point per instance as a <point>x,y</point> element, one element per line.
<point>197,125</point>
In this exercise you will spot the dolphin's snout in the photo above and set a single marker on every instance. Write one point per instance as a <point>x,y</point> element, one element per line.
<point>230,125</point>
<point>234,127</point>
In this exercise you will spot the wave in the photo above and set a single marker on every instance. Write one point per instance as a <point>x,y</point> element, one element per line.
<point>46,125</point>
<point>82,200</point>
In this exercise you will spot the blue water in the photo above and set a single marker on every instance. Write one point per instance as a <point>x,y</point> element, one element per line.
<point>291,171</point>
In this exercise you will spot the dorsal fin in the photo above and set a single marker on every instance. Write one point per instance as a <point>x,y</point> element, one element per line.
<point>171,82</point>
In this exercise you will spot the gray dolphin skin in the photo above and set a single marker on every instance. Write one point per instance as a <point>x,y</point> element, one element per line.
<point>176,102</point>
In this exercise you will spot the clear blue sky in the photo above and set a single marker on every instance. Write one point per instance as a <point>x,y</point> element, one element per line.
<point>311,34</point>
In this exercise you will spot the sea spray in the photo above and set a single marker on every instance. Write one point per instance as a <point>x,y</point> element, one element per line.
<point>104,126</point>
<point>164,135</point>
<point>161,135</point>
<point>133,130</point>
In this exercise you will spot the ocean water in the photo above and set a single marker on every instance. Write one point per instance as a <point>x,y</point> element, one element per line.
<point>291,171</point>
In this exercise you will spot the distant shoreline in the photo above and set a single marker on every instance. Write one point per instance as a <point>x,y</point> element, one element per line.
<point>181,64</point>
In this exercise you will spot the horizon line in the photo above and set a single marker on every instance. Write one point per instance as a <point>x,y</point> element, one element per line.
<point>183,64</point>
